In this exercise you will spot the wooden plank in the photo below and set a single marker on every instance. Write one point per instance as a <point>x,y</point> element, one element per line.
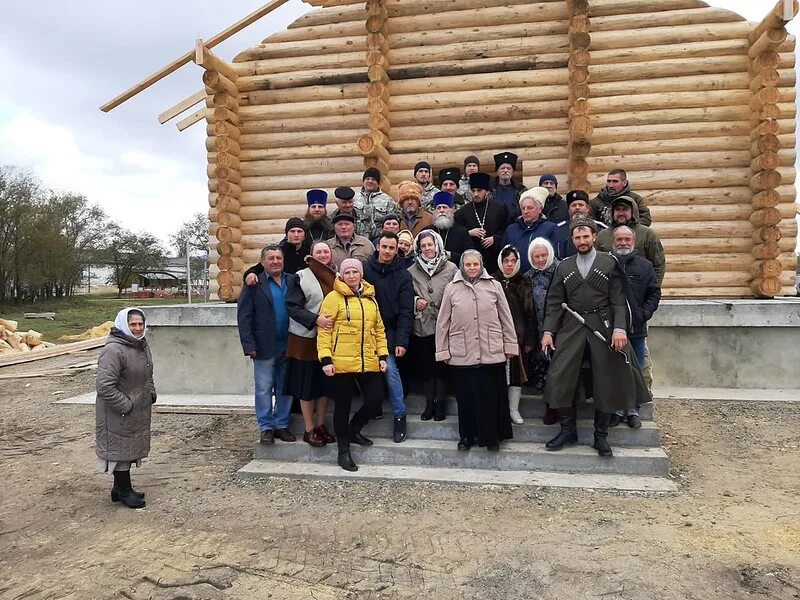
<point>25,357</point>
<point>192,119</point>
<point>187,58</point>
<point>46,315</point>
<point>182,106</point>
<point>56,373</point>
<point>203,410</point>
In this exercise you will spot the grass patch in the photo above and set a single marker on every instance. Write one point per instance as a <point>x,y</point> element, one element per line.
<point>77,314</point>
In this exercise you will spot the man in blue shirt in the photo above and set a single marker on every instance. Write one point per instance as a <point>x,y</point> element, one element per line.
<point>264,332</point>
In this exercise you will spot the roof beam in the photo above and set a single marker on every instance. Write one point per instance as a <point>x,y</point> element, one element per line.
<point>777,18</point>
<point>182,106</point>
<point>189,56</point>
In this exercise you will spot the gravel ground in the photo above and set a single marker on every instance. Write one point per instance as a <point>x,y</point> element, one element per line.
<point>733,530</point>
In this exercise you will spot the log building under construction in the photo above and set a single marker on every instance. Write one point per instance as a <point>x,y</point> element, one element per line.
<point>696,103</point>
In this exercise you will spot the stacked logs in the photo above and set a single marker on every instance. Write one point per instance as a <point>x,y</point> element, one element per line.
<point>766,40</point>
<point>12,340</point>
<point>373,144</point>
<point>224,170</point>
<point>580,127</point>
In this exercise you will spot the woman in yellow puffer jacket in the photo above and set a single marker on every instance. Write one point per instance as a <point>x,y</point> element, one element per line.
<point>353,351</point>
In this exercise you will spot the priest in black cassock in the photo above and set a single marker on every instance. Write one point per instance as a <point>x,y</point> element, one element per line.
<point>484,219</point>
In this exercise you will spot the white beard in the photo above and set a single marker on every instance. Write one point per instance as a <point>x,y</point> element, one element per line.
<point>623,251</point>
<point>443,222</point>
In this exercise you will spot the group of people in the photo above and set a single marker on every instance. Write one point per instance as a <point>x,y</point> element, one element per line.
<point>479,287</point>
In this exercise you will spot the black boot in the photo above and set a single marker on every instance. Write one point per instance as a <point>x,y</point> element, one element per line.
<point>399,430</point>
<point>601,423</point>
<point>124,490</point>
<point>440,409</point>
<point>568,433</point>
<point>356,437</point>
<point>427,414</point>
<point>346,461</point>
<point>115,492</point>
<point>430,406</point>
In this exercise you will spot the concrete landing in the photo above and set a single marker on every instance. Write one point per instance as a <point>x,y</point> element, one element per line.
<point>512,456</point>
<point>264,469</point>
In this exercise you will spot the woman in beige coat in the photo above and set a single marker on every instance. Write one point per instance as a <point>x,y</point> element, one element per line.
<point>431,274</point>
<point>475,335</point>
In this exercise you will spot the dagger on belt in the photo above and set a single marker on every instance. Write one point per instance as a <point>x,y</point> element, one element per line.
<point>594,331</point>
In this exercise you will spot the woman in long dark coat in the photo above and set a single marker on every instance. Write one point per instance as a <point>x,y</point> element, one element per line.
<point>520,301</point>
<point>475,336</point>
<point>125,394</point>
<point>541,256</point>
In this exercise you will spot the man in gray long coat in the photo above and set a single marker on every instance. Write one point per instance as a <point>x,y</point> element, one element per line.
<point>591,284</point>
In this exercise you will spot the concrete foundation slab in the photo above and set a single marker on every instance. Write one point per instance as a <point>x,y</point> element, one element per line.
<point>514,456</point>
<point>694,343</point>
<point>264,469</point>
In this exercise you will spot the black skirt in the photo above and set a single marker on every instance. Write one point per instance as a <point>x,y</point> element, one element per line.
<point>482,394</point>
<point>421,359</point>
<point>305,379</point>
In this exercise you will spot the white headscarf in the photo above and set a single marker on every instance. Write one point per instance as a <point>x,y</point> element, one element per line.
<point>544,243</point>
<point>121,322</point>
<point>508,249</point>
<point>430,266</point>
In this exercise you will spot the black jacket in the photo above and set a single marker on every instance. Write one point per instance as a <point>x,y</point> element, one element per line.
<point>394,291</point>
<point>641,290</point>
<point>255,316</point>
<point>293,259</point>
<point>555,209</point>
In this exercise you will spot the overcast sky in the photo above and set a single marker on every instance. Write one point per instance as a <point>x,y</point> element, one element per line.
<point>59,61</point>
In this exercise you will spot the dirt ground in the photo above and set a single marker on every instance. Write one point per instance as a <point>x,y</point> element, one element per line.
<point>732,532</point>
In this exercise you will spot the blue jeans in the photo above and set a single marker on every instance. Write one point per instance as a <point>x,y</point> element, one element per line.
<point>395,385</point>
<point>638,347</point>
<point>269,377</point>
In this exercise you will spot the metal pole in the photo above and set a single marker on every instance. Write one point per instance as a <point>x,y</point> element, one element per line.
<point>188,273</point>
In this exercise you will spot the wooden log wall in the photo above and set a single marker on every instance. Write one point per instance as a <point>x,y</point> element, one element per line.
<point>666,90</point>
<point>373,145</point>
<point>580,126</point>
<point>765,41</point>
<point>224,172</point>
<point>670,102</point>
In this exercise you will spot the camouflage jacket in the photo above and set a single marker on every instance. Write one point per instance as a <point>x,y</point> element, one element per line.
<point>372,208</point>
<point>428,192</point>
<point>464,188</point>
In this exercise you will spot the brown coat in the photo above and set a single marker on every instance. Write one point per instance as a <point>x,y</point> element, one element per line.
<point>423,220</point>
<point>474,326</point>
<point>125,394</point>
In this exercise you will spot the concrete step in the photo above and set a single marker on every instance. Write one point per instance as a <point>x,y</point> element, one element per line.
<point>513,456</point>
<point>532,431</point>
<point>529,407</point>
<point>366,472</point>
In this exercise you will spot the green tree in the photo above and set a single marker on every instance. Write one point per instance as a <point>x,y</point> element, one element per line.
<point>20,195</point>
<point>129,254</point>
<point>195,230</point>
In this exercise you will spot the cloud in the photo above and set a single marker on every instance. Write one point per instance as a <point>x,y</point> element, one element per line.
<point>60,60</point>
<point>139,190</point>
